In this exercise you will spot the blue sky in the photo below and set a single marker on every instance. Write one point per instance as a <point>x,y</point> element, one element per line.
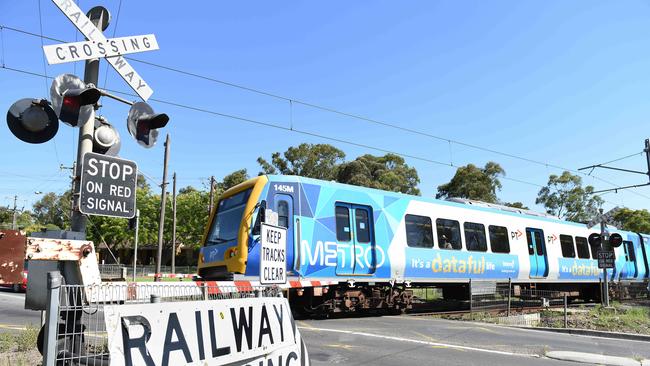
<point>565,83</point>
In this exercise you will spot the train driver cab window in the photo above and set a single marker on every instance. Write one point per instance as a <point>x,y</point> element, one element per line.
<point>448,234</point>
<point>283,213</point>
<point>568,250</point>
<point>582,247</point>
<point>475,237</point>
<point>343,232</point>
<point>419,231</point>
<point>499,240</point>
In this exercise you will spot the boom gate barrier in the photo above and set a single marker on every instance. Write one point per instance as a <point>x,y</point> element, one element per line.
<point>88,322</point>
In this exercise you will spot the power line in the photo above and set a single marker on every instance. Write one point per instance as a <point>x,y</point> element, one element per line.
<point>307,133</point>
<point>351,115</point>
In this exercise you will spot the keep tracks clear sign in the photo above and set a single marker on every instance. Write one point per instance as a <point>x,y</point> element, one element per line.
<point>245,331</point>
<point>273,259</point>
<point>108,186</point>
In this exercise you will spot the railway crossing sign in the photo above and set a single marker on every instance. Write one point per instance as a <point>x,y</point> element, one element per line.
<point>606,258</point>
<point>108,186</point>
<point>113,48</point>
<point>607,217</point>
<point>273,255</point>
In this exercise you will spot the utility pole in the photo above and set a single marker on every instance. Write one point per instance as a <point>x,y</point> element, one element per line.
<point>174,223</point>
<point>86,128</point>
<point>135,247</point>
<point>15,216</point>
<point>603,243</point>
<point>211,195</point>
<point>163,201</point>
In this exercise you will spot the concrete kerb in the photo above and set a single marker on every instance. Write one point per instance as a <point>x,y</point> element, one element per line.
<point>592,358</point>
<point>593,333</point>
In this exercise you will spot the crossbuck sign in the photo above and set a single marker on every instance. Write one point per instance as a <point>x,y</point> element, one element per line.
<point>99,46</point>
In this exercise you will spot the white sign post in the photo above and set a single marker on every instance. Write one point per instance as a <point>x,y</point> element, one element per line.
<point>273,255</point>
<point>97,38</point>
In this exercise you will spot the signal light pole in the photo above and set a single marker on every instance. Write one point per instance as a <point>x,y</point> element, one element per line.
<point>99,17</point>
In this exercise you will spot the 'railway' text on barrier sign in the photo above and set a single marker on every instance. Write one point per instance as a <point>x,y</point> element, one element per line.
<point>246,331</point>
<point>273,250</point>
<point>108,186</point>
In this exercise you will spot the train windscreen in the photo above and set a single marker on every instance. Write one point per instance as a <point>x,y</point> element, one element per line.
<point>228,218</point>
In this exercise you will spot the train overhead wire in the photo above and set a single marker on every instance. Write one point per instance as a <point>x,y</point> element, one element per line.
<point>351,115</point>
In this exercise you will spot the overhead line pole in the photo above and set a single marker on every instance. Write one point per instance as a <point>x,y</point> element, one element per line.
<point>211,195</point>
<point>15,215</point>
<point>174,223</point>
<point>163,200</point>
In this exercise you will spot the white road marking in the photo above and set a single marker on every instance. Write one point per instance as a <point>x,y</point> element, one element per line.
<point>418,341</point>
<point>12,295</point>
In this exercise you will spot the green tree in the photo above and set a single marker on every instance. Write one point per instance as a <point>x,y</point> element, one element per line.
<point>474,183</point>
<point>634,220</point>
<point>53,209</point>
<point>232,179</point>
<point>318,161</point>
<point>565,197</point>
<point>388,172</point>
<point>516,205</point>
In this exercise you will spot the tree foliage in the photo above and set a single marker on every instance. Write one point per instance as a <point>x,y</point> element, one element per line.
<point>565,197</point>
<point>474,183</point>
<point>634,220</point>
<point>516,205</point>
<point>53,209</point>
<point>388,172</point>
<point>318,161</point>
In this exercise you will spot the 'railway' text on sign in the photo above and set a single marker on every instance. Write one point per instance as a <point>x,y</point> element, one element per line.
<point>108,186</point>
<point>246,331</point>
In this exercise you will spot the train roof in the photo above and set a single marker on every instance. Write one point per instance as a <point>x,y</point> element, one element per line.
<point>455,202</point>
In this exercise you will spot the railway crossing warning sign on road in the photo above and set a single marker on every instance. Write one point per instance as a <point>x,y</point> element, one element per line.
<point>606,258</point>
<point>273,259</point>
<point>96,42</point>
<point>108,186</point>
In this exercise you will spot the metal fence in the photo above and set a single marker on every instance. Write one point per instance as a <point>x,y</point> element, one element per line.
<point>123,271</point>
<point>75,329</point>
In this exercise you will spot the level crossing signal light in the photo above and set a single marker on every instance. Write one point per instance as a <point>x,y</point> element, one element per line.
<point>143,123</point>
<point>615,240</point>
<point>595,240</point>
<point>72,99</point>
<point>32,120</point>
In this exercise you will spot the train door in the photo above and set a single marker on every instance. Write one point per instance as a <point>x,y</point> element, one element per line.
<point>629,270</point>
<point>364,244</point>
<point>537,252</point>
<point>355,241</point>
<point>345,246</point>
<point>284,207</point>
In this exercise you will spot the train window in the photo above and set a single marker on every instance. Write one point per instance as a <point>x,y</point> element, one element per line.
<point>448,234</point>
<point>342,224</point>
<point>362,225</point>
<point>568,250</point>
<point>499,240</point>
<point>419,231</point>
<point>283,213</point>
<point>583,247</point>
<point>475,237</point>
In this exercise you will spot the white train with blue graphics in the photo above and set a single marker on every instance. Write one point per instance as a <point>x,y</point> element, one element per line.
<point>351,248</point>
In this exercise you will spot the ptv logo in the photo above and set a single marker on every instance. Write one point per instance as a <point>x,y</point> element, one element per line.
<point>516,234</point>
